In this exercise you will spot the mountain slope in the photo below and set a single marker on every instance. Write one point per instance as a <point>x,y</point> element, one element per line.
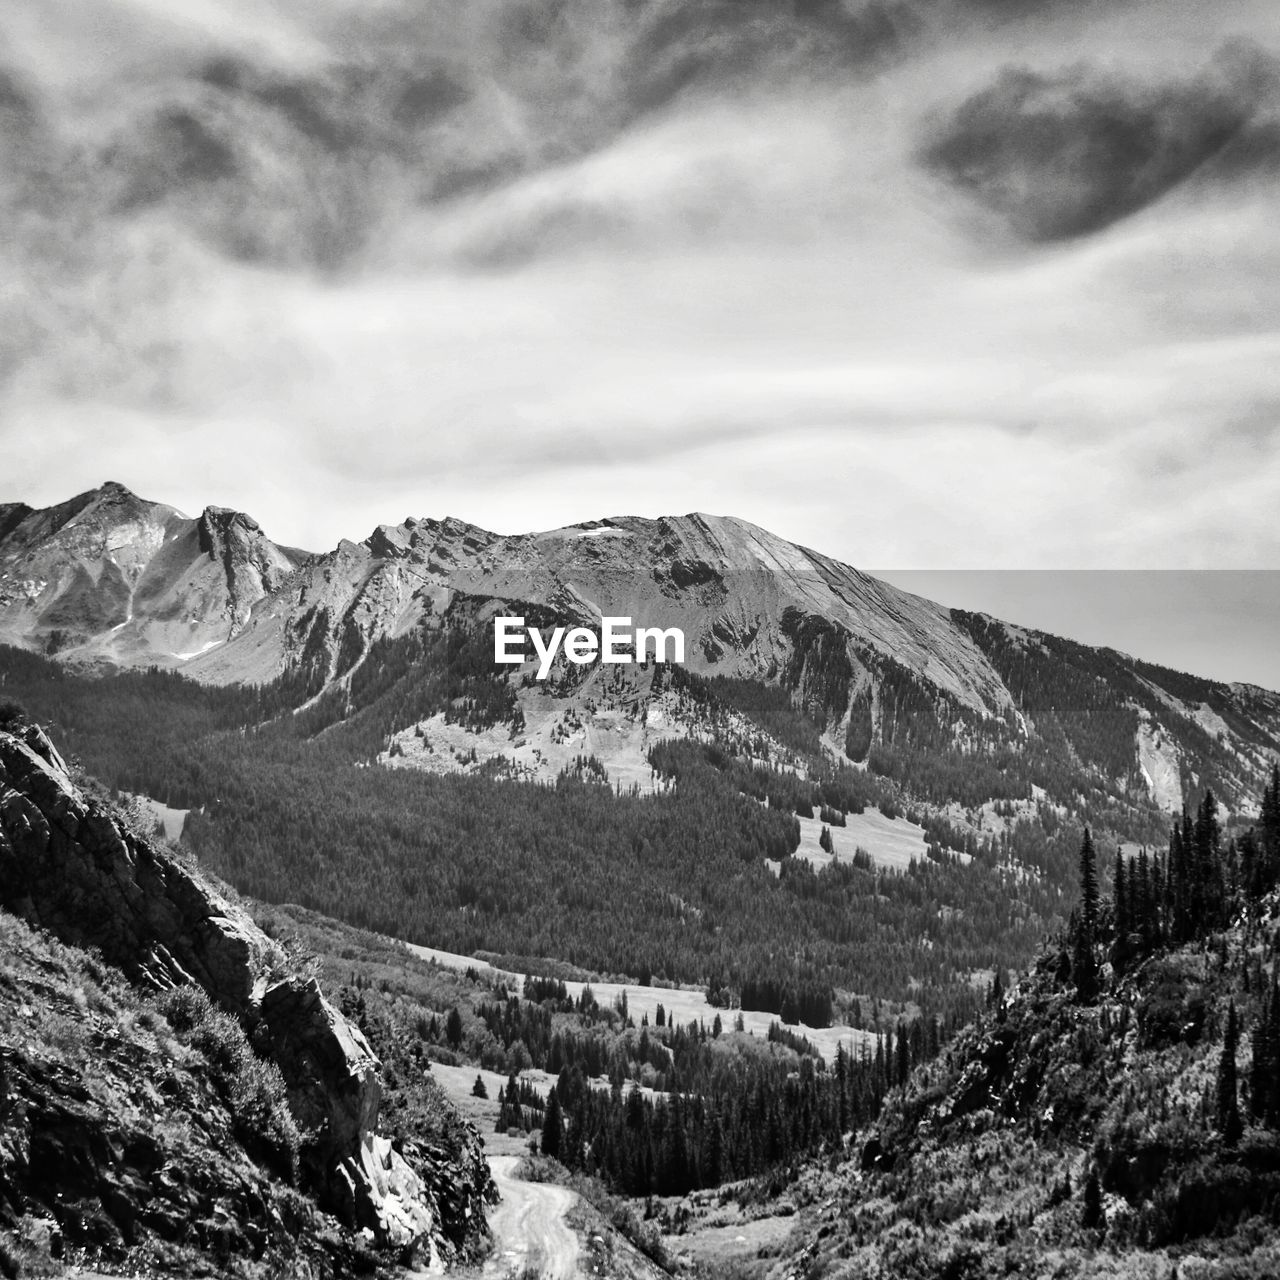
<point>121,1138</point>
<point>1136,1134</point>
<point>726,583</point>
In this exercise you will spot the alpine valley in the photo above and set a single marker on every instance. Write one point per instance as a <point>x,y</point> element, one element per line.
<point>697,923</point>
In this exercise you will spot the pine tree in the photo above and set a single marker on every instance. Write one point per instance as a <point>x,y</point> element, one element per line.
<point>551,1127</point>
<point>1228,1112</point>
<point>1259,1075</point>
<point>1123,913</point>
<point>1083,966</point>
<point>1179,882</point>
<point>1143,900</point>
<point>1209,888</point>
<point>1088,886</point>
<point>1269,820</point>
<point>1159,902</point>
<point>1271,1055</point>
<point>995,997</point>
<point>1092,1218</point>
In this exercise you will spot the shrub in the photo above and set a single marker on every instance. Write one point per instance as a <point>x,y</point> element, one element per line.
<point>13,715</point>
<point>253,1088</point>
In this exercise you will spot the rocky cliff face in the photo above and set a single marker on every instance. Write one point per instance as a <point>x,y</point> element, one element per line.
<point>68,865</point>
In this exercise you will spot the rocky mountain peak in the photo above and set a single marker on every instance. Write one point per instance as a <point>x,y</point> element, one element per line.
<point>109,575</point>
<point>220,527</point>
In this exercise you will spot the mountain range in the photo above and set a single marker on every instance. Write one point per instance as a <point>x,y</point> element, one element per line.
<point>109,580</point>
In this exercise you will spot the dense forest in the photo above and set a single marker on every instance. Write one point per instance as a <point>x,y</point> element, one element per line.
<point>286,804</point>
<point>651,1108</point>
<point>287,810</point>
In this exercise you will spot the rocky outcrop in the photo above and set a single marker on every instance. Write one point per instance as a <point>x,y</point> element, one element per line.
<point>251,563</point>
<point>122,1149</point>
<point>69,865</point>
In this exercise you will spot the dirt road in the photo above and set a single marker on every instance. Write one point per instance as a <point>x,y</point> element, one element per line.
<point>531,1236</point>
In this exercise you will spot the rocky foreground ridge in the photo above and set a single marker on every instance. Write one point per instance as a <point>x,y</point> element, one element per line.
<point>69,865</point>
<point>1134,1135</point>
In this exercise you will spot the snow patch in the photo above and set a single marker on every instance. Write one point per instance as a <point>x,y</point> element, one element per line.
<point>891,842</point>
<point>195,653</point>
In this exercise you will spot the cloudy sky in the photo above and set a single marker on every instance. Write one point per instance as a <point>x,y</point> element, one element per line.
<point>926,284</point>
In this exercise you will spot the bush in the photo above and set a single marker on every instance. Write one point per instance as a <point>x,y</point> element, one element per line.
<point>13,715</point>
<point>253,1089</point>
<point>1173,1011</point>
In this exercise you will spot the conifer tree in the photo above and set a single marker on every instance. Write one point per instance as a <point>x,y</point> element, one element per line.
<point>1092,1218</point>
<point>1143,899</point>
<point>1209,889</point>
<point>1228,1112</point>
<point>1270,823</point>
<point>1088,886</point>
<point>1122,913</point>
<point>1083,967</point>
<point>551,1127</point>
<point>1259,1073</point>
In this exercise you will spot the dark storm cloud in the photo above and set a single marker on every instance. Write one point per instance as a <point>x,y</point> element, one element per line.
<point>1067,153</point>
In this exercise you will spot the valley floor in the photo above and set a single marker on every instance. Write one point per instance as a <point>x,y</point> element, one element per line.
<point>682,1005</point>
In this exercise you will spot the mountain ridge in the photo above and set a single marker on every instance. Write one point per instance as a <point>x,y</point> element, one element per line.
<point>110,578</point>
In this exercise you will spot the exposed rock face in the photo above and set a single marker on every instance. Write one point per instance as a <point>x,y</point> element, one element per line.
<point>68,865</point>
<point>253,565</point>
<point>139,1158</point>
